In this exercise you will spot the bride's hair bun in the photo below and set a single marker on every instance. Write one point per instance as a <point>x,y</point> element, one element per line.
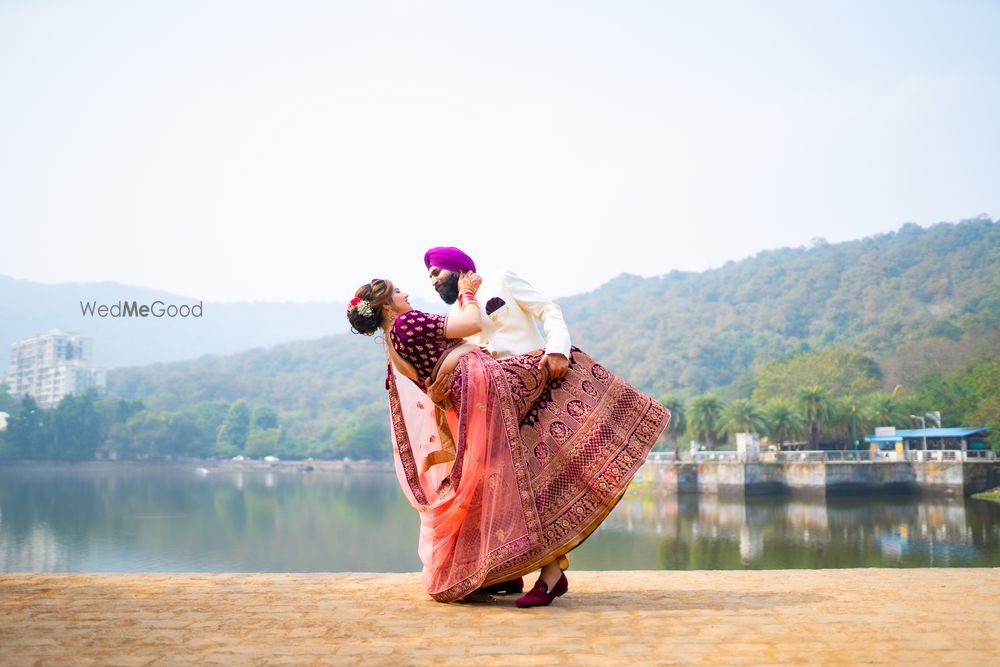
<point>365,310</point>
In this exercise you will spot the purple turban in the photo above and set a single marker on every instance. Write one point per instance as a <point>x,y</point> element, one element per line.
<point>451,259</point>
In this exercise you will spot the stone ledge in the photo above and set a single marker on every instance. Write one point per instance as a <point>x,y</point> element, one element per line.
<point>848,617</point>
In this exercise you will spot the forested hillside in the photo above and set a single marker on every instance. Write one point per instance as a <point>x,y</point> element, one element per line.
<point>913,307</point>
<point>691,332</point>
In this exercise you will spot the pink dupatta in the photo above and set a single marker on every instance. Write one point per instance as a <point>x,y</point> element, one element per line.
<point>483,515</point>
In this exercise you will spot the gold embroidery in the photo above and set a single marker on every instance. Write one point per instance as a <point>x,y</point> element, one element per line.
<point>438,457</point>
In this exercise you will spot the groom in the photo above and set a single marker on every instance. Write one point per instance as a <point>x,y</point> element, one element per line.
<point>511,308</point>
<point>512,311</point>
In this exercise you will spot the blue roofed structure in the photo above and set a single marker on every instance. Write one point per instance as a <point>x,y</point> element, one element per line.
<point>962,438</point>
<point>959,432</point>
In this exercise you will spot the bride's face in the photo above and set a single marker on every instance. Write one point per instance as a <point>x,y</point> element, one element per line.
<point>400,301</point>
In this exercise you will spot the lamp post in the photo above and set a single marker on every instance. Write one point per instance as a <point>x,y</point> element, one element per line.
<point>923,426</point>
<point>854,424</point>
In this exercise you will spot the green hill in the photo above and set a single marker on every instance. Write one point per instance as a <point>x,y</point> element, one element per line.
<point>898,305</point>
<point>691,332</point>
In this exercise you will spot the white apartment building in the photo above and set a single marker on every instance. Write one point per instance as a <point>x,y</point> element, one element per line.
<point>51,366</point>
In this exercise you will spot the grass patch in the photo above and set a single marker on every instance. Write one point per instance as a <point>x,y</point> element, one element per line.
<point>993,496</point>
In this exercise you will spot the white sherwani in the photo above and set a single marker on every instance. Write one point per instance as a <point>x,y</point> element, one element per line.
<point>511,312</point>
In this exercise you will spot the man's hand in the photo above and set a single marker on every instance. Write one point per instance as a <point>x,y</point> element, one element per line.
<point>439,390</point>
<point>556,363</point>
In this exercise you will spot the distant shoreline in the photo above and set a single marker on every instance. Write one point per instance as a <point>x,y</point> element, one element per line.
<point>211,465</point>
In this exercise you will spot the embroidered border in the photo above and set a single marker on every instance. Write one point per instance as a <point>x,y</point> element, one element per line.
<point>403,443</point>
<point>523,547</point>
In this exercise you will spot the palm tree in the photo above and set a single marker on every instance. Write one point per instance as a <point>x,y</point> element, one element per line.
<point>783,422</point>
<point>839,418</point>
<point>881,410</point>
<point>704,417</point>
<point>678,420</point>
<point>742,416</point>
<point>814,403</point>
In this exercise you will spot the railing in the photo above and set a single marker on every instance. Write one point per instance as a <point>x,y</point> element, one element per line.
<point>800,457</point>
<point>855,456</point>
<point>933,455</point>
<point>951,455</point>
<point>699,457</point>
<point>847,456</point>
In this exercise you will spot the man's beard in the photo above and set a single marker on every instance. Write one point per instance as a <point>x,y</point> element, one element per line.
<point>447,289</point>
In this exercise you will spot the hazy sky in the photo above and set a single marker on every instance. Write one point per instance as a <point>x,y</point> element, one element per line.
<point>288,150</point>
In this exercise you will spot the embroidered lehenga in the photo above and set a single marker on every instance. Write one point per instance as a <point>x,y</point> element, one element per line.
<point>511,471</point>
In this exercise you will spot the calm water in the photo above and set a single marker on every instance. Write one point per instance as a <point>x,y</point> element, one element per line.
<point>120,518</point>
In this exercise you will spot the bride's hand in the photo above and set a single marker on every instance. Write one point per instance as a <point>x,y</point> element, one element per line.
<point>469,280</point>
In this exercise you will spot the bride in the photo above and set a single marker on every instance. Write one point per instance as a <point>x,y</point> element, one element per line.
<point>508,470</point>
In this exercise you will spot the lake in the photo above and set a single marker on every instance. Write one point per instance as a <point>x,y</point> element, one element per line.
<point>120,517</point>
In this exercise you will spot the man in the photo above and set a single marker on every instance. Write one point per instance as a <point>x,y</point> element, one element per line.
<point>512,311</point>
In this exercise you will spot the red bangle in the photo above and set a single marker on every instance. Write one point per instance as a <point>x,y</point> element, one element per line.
<point>466,295</point>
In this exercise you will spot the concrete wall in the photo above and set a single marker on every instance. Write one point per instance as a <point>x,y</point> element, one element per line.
<point>805,477</point>
<point>764,479</point>
<point>822,478</point>
<point>724,478</point>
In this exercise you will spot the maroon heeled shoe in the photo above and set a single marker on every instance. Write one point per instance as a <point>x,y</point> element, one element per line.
<point>541,596</point>
<point>505,587</point>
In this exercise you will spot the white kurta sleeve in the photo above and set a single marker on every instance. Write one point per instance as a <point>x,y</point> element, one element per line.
<point>544,309</point>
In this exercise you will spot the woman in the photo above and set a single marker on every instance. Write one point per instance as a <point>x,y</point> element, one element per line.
<point>508,471</point>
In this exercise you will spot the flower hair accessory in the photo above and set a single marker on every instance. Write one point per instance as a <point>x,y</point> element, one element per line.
<point>362,306</point>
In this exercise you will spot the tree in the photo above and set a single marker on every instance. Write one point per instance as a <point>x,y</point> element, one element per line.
<point>743,416</point>
<point>75,428</point>
<point>264,417</point>
<point>984,386</point>
<point>881,409</point>
<point>678,420</point>
<point>704,418</point>
<point>160,435</point>
<point>262,442</point>
<point>26,431</point>
<point>783,422</point>
<point>839,420</point>
<point>366,440</point>
<point>842,371</point>
<point>8,403</point>
<point>233,433</point>
<point>814,403</point>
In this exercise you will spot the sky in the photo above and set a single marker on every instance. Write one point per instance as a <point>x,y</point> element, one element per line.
<point>235,150</point>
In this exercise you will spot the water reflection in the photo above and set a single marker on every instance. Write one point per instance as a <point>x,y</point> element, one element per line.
<point>147,518</point>
<point>119,517</point>
<point>719,532</point>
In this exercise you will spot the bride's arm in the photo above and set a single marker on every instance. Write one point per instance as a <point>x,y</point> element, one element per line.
<point>469,321</point>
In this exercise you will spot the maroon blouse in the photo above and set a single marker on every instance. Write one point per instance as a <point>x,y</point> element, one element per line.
<point>419,338</point>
